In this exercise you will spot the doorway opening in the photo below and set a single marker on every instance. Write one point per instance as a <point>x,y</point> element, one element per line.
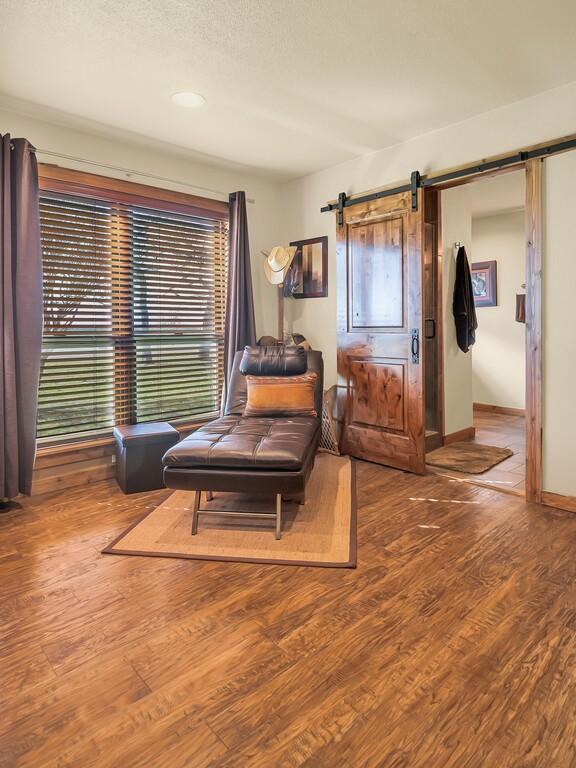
<point>476,401</point>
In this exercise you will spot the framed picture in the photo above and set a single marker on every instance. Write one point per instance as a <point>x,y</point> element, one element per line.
<point>484,283</point>
<point>308,274</point>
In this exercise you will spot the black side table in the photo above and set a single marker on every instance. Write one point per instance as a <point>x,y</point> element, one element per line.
<point>139,451</point>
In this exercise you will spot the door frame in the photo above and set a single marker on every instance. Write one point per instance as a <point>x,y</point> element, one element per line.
<point>533,337</point>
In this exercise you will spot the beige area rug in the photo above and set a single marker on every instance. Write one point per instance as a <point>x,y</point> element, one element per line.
<point>322,532</point>
<point>472,458</point>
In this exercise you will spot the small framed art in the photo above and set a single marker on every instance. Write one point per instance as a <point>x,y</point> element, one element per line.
<point>308,275</point>
<point>484,287</point>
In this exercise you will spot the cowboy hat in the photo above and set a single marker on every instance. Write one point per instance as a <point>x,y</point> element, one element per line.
<point>277,263</point>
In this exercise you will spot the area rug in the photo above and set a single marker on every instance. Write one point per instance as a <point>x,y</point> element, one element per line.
<point>322,532</point>
<point>472,458</point>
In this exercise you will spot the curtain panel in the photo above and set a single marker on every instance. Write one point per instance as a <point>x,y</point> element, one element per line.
<point>20,314</point>
<point>240,328</point>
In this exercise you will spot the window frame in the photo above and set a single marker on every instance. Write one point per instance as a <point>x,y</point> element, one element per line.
<point>53,178</point>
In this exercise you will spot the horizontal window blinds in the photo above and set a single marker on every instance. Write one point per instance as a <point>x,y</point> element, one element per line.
<point>134,302</point>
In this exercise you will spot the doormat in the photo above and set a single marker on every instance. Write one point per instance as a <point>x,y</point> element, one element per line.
<point>472,458</point>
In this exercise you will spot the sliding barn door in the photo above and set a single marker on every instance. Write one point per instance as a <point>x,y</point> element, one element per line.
<point>380,331</point>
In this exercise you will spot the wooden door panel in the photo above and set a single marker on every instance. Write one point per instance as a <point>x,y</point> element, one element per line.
<point>377,389</point>
<point>376,271</point>
<point>379,315</point>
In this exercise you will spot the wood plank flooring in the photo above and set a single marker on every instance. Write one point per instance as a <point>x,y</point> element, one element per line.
<point>451,645</point>
<point>504,431</point>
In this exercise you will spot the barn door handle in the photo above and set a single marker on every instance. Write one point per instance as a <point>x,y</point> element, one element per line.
<point>415,346</point>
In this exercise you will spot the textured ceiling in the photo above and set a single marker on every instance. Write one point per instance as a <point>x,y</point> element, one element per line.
<point>292,85</point>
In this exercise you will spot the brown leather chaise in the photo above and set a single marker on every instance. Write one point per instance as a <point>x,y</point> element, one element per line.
<point>247,454</point>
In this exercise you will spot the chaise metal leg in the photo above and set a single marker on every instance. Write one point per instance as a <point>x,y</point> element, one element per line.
<point>278,515</point>
<point>196,512</point>
<point>195,509</point>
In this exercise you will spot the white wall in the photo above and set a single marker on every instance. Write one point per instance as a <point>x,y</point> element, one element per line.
<point>498,357</point>
<point>456,227</point>
<point>177,172</point>
<point>559,342</point>
<point>546,116</point>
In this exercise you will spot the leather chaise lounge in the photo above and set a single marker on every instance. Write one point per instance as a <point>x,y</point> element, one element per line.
<point>247,454</point>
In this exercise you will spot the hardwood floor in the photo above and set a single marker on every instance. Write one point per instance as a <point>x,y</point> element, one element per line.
<point>451,644</point>
<point>503,431</point>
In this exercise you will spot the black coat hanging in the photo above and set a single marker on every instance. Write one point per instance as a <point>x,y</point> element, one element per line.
<point>463,303</point>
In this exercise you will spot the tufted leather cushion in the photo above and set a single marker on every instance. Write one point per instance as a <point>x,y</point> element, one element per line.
<point>236,442</point>
<point>273,361</point>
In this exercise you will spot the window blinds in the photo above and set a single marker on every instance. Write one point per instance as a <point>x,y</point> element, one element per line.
<point>134,303</point>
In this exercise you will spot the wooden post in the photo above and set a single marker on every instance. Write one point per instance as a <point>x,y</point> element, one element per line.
<point>281,312</point>
<point>534,330</point>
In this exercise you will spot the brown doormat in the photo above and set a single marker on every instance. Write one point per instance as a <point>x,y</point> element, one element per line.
<point>322,532</point>
<point>472,458</point>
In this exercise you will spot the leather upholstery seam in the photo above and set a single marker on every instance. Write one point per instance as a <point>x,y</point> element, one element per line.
<point>259,443</point>
<point>215,442</point>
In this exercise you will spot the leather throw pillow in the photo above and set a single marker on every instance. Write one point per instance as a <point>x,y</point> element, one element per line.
<point>281,395</point>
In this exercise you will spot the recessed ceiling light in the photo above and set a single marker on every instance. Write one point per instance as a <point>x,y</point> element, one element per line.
<point>188,99</point>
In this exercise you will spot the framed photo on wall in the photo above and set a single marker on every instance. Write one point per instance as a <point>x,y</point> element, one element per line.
<point>484,288</point>
<point>308,274</point>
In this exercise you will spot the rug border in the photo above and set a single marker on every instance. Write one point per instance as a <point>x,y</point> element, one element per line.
<point>352,561</point>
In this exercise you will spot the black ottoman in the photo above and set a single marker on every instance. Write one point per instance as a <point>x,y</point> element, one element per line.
<point>139,451</point>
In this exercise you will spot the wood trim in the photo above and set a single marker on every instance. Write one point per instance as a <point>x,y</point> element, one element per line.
<point>534,330</point>
<point>53,178</point>
<point>499,409</point>
<point>463,434</point>
<point>558,501</point>
<point>60,449</point>
<point>495,158</point>
<point>440,318</point>
<point>45,460</point>
<point>472,176</point>
<point>533,410</point>
<point>434,441</point>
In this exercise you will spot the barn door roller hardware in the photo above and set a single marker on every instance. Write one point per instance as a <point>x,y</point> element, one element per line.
<point>416,180</point>
<point>341,204</point>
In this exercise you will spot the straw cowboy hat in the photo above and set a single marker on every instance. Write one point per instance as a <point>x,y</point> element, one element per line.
<point>277,263</point>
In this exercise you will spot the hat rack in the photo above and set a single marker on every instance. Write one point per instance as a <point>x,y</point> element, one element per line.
<point>281,271</point>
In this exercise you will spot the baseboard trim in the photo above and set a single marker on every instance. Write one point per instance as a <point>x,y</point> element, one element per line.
<point>463,434</point>
<point>433,441</point>
<point>499,409</point>
<point>558,501</point>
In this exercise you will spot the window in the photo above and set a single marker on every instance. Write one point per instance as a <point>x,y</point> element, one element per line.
<point>134,303</point>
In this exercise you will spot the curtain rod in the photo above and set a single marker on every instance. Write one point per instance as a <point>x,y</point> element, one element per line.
<point>418,181</point>
<point>131,172</point>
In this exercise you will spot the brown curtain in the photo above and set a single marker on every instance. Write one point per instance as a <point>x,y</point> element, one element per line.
<point>240,328</point>
<point>20,314</point>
